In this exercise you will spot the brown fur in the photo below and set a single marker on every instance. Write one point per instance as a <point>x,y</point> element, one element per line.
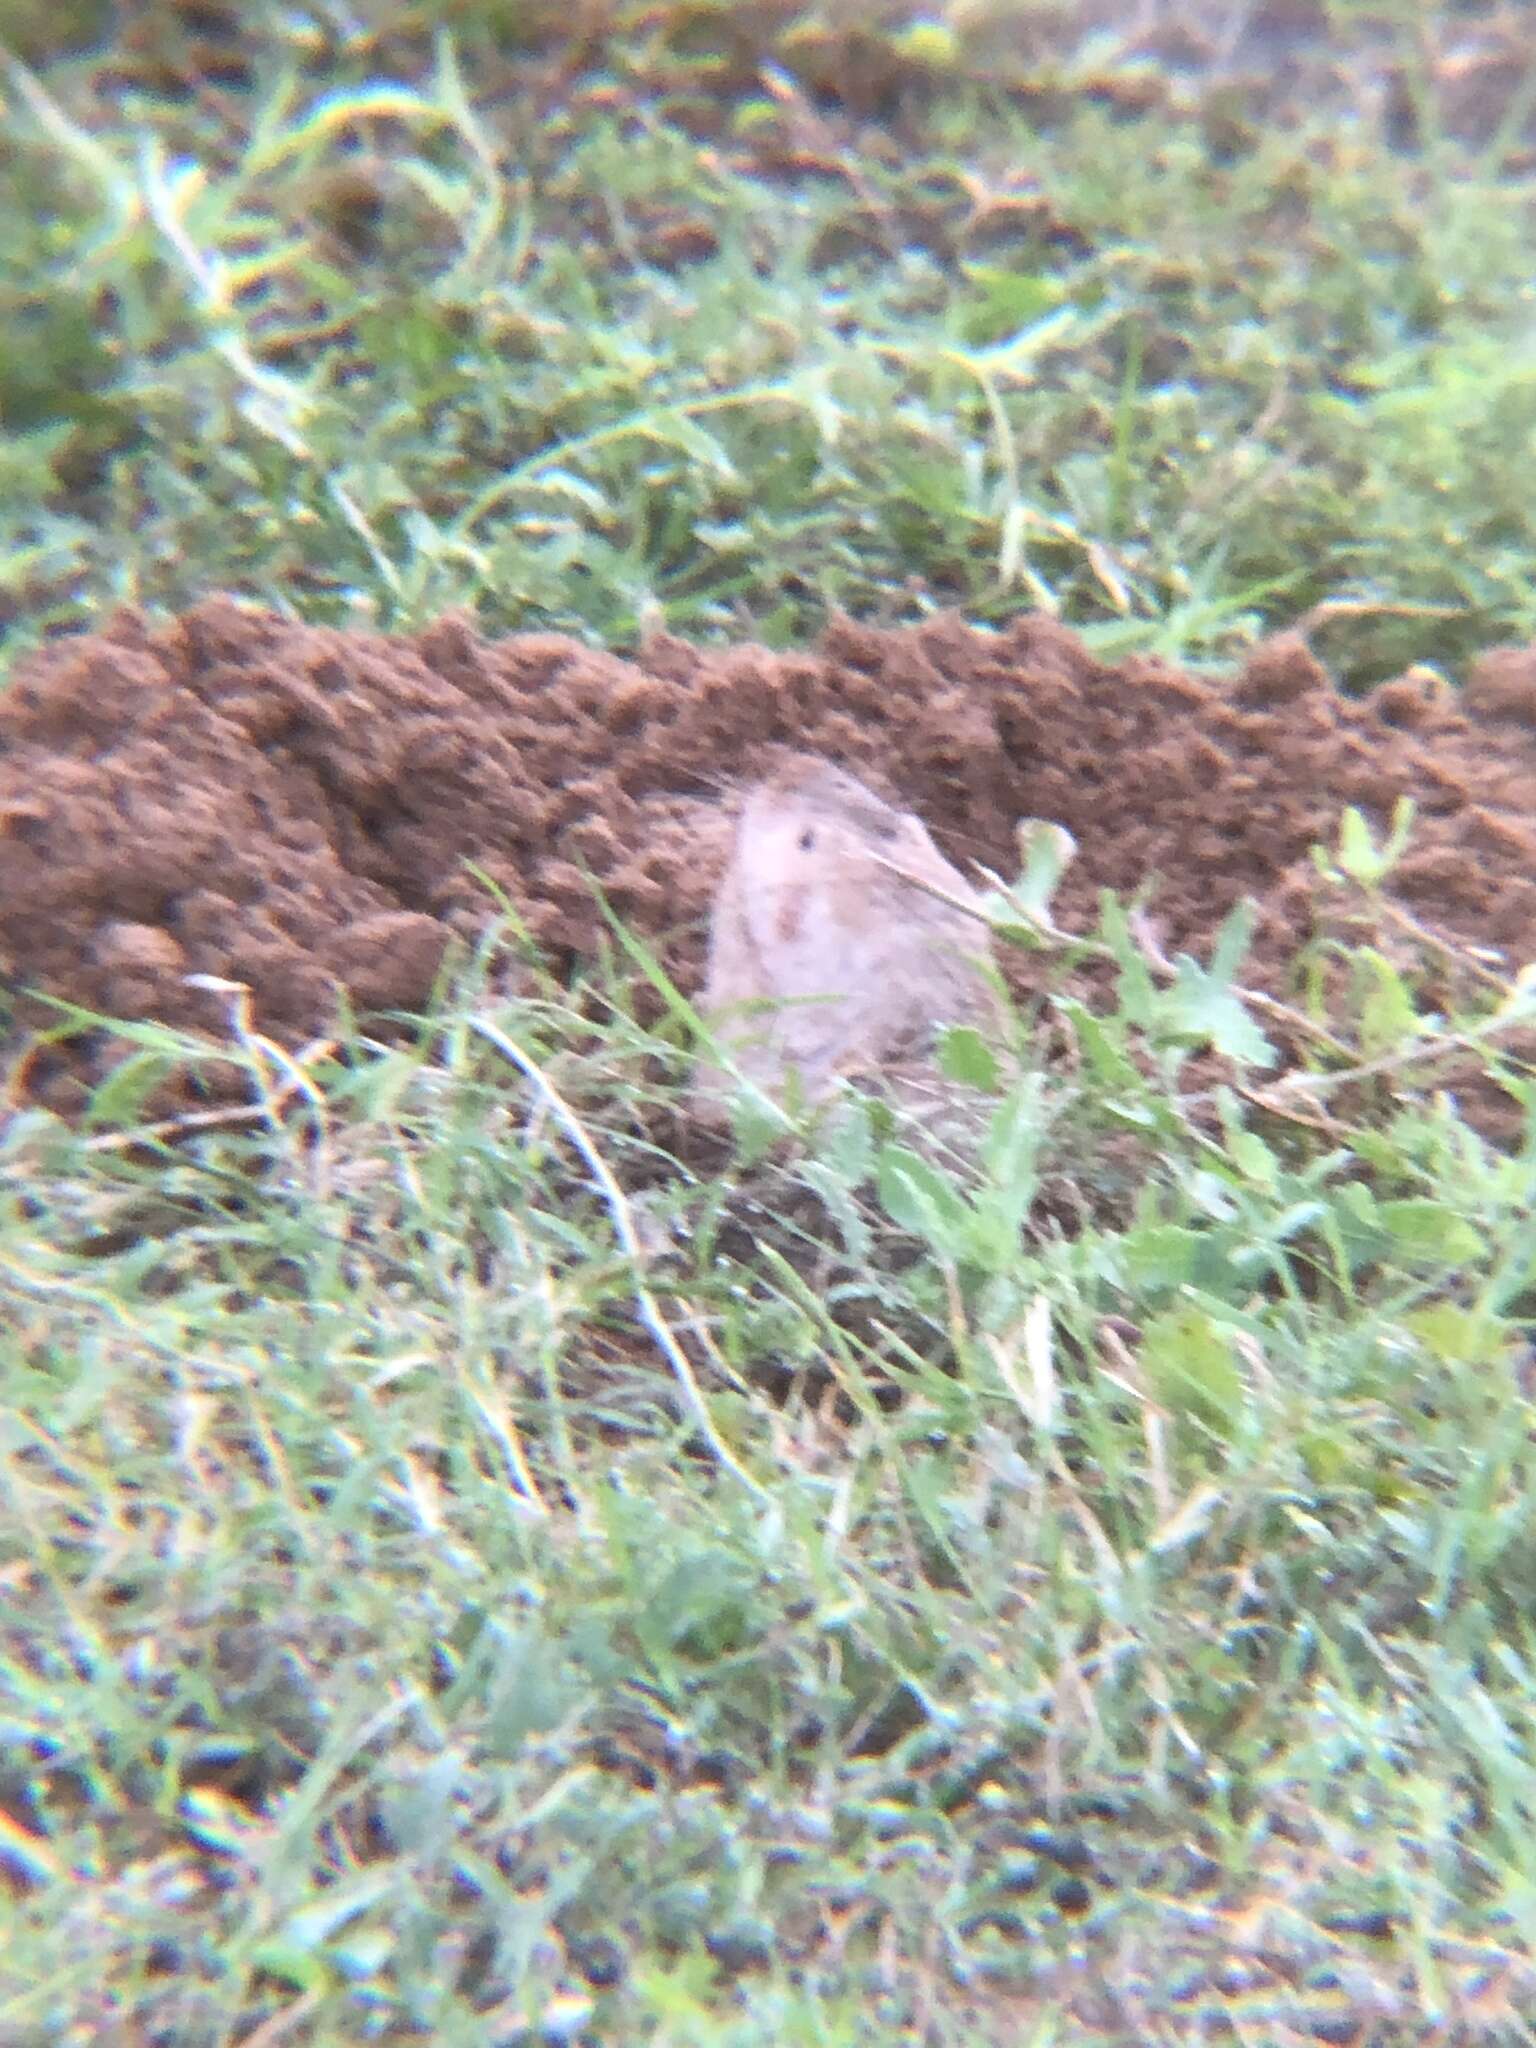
<point>840,912</point>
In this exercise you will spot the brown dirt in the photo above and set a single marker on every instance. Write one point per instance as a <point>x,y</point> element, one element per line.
<point>293,807</point>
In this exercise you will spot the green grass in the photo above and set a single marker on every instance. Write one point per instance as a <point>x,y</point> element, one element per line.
<point>483,1564</point>
<point>473,1572</point>
<point>346,340</point>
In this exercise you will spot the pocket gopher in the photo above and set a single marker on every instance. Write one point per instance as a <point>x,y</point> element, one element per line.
<point>832,909</point>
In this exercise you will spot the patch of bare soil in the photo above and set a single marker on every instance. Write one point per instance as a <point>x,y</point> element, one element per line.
<point>298,808</point>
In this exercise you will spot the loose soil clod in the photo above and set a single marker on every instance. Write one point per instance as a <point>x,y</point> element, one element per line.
<point>293,807</point>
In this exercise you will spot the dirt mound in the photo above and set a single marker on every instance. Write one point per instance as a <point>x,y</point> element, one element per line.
<point>296,807</point>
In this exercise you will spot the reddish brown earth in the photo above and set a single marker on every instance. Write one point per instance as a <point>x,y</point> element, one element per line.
<point>294,807</point>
